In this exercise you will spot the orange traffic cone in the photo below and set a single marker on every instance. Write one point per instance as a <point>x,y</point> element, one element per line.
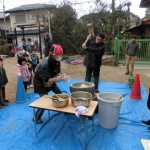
<point>136,91</point>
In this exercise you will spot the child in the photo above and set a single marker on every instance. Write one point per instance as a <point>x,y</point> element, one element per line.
<point>29,63</point>
<point>34,59</point>
<point>22,70</point>
<point>3,82</point>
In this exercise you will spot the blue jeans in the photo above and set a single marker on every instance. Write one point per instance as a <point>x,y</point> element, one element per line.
<point>95,74</point>
<point>39,111</point>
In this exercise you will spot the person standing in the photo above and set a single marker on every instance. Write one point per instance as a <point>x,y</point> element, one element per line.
<point>20,51</point>
<point>48,44</point>
<point>46,75</point>
<point>3,82</point>
<point>28,45</point>
<point>30,67</point>
<point>131,54</point>
<point>22,70</point>
<point>34,59</point>
<point>36,46</point>
<point>94,48</point>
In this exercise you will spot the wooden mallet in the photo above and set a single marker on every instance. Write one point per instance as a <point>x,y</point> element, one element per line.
<point>90,29</point>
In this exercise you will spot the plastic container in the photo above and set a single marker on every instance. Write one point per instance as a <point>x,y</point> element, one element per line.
<point>109,109</point>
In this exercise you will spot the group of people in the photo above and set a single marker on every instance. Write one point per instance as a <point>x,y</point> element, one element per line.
<point>48,71</point>
<point>26,65</point>
<point>29,46</point>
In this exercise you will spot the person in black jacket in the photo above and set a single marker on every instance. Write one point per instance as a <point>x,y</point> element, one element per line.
<point>46,75</point>
<point>94,48</point>
<point>48,44</point>
<point>3,82</point>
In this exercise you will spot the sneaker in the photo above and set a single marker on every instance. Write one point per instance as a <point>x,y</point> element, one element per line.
<point>146,123</point>
<point>28,86</point>
<point>3,104</point>
<point>127,73</point>
<point>5,100</point>
<point>38,121</point>
<point>31,85</point>
<point>97,91</point>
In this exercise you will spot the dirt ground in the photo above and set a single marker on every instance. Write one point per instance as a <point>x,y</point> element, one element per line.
<point>107,73</point>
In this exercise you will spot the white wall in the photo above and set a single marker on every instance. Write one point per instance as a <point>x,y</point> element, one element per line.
<point>7,24</point>
<point>30,19</point>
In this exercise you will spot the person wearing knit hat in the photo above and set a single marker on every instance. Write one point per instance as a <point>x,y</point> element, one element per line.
<point>46,75</point>
<point>94,48</point>
<point>21,52</point>
<point>48,44</point>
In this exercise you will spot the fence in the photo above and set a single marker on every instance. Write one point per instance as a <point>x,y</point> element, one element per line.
<point>144,50</point>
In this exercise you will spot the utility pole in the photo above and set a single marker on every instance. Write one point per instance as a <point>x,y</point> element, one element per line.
<point>4,18</point>
<point>113,18</point>
<point>49,24</point>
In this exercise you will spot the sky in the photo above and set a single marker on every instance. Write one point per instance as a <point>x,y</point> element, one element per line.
<point>83,8</point>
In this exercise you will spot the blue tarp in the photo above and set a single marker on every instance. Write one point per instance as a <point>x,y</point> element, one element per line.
<point>67,132</point>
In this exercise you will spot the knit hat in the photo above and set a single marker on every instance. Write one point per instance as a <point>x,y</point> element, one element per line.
<point>57,49</point>
<point>19,47</point>
<point>46,34</point>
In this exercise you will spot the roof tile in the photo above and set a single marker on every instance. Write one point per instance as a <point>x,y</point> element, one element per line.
<point>29,7</point>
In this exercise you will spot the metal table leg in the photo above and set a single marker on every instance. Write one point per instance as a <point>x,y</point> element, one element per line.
<point>35,124</point>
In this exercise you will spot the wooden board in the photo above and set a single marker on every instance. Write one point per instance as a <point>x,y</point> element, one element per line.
<point>46,103</point>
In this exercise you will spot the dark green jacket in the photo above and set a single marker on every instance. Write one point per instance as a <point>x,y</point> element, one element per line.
<point>3,77</point>
<point>132,49</point>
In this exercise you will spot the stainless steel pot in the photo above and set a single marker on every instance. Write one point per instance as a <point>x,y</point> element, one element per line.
<point>59,103</point>
<point>80,98</point>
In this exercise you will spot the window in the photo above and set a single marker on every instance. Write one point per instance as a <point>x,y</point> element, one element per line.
<point>20,18</point>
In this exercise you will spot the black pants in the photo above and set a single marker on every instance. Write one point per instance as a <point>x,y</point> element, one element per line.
<point>34,67</point>
<point>3,93</point>
<point>40,112</point>
<point>30,81</point>
<point>25,85</point>
<point>1,97</point>
<point>95,74</point>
